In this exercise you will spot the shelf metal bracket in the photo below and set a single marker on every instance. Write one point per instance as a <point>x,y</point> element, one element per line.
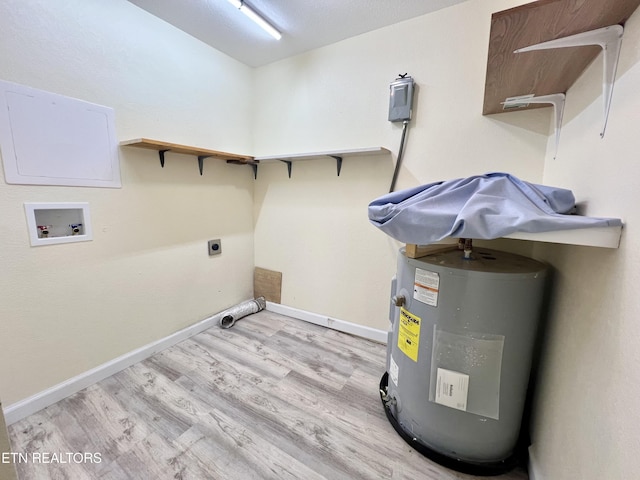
<point>201,162</point>
<point>338,162</point>
<point>609,39</point>
<point>288,162</point>
<point>161,155</point>
<point>200,159</point>
<point>555,99</point>
<point>253,164</point>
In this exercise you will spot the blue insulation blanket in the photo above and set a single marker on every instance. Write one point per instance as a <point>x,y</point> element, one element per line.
<point>484,207</point>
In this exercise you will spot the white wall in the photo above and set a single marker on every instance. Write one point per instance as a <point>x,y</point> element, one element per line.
<point>314,227</point>
<point>68,308</point>
<point>586,416</point>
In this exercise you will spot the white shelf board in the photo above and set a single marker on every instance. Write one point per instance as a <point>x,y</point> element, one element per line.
<point>334,153</point>
<point>606,237</point>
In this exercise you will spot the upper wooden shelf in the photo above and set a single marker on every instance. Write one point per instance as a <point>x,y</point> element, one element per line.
<point>544,72</point>
<point>201,153</point>
<point>174,147</point>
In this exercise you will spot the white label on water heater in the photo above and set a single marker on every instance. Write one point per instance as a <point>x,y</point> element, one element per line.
<point>426,287</point>
<point>452,389</point>
<point>393,371</point>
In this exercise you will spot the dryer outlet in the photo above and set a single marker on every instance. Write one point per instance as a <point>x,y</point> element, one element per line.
<point>214,247</point>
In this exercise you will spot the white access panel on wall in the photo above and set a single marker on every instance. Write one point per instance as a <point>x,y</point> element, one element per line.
<point>50,139</point>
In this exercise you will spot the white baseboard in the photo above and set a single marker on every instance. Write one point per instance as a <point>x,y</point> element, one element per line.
<point>534,468</point>
<point>333,323</point>
<point>19,410</point>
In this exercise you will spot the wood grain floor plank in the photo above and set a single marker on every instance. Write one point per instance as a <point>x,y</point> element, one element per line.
<point>306,446</point>
<point>152,411</point>
<point>332,368</point>
<point>98,411</point>
<point>357,427</point>
<point>270,398</point>
<point>223,441</point>
<point>30,434</point>
<point>247,342</point>
<point>47,451</point>
<point>253,363</point>
<point>232,447</point>
<point>360,422</point>
<point>339,343</point>
<point>227,374</point>
<point>156,458</point>
<point>370,348</point>
<point>354,459</point>
<point>114,472</point>
<point>179,359</point>
<point>75,434</point>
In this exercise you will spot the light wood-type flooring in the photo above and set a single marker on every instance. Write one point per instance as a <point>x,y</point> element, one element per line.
<point>270,398</point>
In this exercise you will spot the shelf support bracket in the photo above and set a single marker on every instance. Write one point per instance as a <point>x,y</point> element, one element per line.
<point>609,39</point>
<point>253,164</point>
<point>555,99</point>
<point>201,162</point>
<point>288,162</point>
<point>161,155</point>
<point>338,162</point>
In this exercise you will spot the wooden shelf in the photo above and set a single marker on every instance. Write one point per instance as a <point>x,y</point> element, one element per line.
<point>338,155</point>
<point>543,72</point>
<point>233,158</point>
<point>200,153</point>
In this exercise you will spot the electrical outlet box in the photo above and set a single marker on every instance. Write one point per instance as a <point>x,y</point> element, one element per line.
<point>214,247</point>
<point>400,99</point>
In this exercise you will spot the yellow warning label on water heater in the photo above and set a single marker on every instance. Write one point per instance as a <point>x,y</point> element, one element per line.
<point>409,334</point>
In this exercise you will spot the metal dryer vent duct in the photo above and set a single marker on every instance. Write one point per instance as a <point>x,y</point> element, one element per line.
<point>229,317</point>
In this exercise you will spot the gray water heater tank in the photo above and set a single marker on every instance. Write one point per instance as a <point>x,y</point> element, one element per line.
<point>459,355</point>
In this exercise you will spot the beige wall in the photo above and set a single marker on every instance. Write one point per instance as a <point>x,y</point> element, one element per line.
<point>68,308</point>
<point>314,227</point>
<point>586,420</point>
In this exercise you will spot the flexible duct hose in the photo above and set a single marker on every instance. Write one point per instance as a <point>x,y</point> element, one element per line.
<point>229,317</point>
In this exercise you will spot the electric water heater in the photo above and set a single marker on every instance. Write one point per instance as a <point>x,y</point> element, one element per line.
<point>459,355</point>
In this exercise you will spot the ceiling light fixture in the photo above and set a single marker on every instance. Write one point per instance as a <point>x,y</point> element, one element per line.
<point>257,18</point>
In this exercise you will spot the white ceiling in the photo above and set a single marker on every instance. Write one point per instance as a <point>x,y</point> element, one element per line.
<point>305,24</point>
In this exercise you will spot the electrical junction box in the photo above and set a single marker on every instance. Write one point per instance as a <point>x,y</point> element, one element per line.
<point>400,99</point>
